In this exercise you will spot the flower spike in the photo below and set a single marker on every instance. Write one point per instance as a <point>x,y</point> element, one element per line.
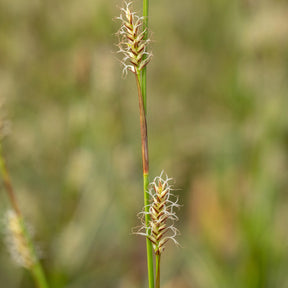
<point>162,215</point>
<point>131,41</point>
<point>17,242</point>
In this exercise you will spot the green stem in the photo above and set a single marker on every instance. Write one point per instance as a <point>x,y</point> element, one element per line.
<point>158,256</point>
<point>148,242</point>
<point>36,269</point>
<point>7,183</point>
<point>144,70</point>
<point>39,276</point>
<point>145,160</point>
<point>143,86</point>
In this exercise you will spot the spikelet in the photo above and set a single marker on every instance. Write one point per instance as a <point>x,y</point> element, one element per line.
<point>131,41</point>
<point>162,215</point>
<point>16,241</point>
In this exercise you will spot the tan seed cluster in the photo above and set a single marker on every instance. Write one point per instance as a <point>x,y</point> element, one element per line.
<point>162,215</point>
<point>16,242</point>
<point>131,41</point>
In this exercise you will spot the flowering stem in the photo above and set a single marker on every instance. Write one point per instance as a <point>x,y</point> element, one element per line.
<point>7,184</point>
<point>145,161</point>
<point>144,70</point>
<point>36,268</point>
<point>158,257</point>
<point>143,126</point>
<point>39,276</point>
<point>148,242</point>
<point>145,176</point>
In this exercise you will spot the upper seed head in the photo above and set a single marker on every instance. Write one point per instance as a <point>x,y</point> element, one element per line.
<point>131,41</point>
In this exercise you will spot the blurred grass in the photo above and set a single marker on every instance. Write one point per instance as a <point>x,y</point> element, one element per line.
<point>218,123</point>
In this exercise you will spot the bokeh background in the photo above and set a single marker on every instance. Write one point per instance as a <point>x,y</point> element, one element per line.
<point>218,124</point>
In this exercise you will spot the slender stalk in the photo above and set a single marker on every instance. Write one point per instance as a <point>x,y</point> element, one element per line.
<point>39,276</point>
<point>158,257</point>
<point>36,268</point>
<point>143,81</point>
<point>144,70</point>
<point>7,184</point>
<point>143,126</point>
<point>145,162</point>
<point>148,242</point>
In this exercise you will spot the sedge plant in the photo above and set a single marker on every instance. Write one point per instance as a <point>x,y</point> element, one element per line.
<point>18,238</point>
<point>159,203</point>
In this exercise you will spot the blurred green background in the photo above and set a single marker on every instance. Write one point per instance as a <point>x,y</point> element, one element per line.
<point>217,124</point>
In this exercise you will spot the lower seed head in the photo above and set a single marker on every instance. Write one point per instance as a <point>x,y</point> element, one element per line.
<point>162,216</point>
<point>16,242</point>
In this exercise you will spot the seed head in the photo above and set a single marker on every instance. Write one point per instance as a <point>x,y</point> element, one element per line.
<point>16,241</point>
<point>132,43</point>
<point>162,215</point>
